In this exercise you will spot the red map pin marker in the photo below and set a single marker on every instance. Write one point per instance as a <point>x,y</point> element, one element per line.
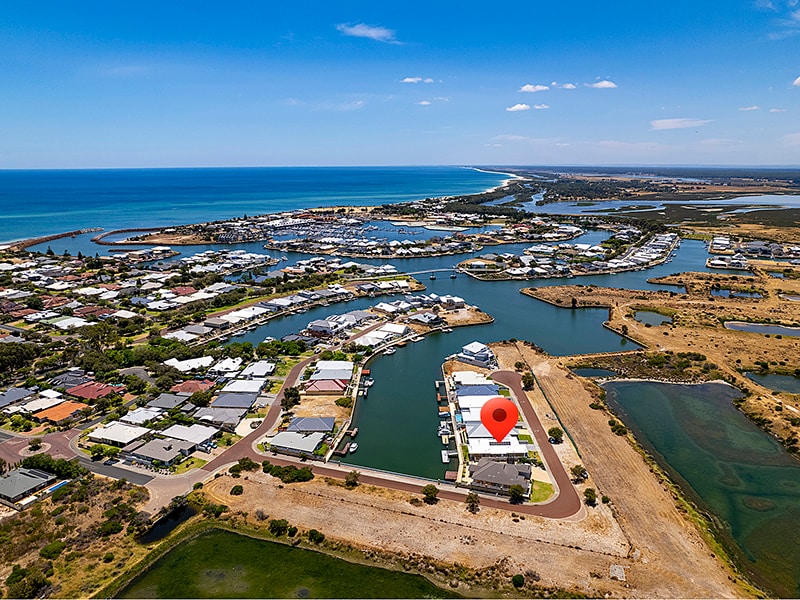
<point>499,415</point>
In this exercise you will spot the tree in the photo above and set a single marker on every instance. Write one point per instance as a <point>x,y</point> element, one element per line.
<point>35,444</point>
<point>556,433</point>
<point>528,381</point>
<point>516,494</point>
<point>351,479</point>
<point>473,502</point>
<point>519,366</point>
<point>578,473</point>
<point>590,496</point>
<point>430,492</point>
<point>518,581</point>
<point>291,397</point>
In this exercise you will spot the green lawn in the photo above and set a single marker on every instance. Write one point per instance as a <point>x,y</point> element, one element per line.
<point>221,564</point>
<point>541,491</point>
<point>189,464</point>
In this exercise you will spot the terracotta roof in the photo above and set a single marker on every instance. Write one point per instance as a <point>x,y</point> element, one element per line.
<point>183,290</point>
<point>192,386</point>
<point>60,412</point>
<point>92,390</point>
<point>326,385</point>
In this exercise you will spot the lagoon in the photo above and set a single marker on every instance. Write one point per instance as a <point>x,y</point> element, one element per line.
<point>780,383</point>
<point>763,328</point>
<point>726,464</point>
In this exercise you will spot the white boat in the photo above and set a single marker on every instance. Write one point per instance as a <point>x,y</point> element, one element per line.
<point>447,330</point>
<point>389,351</point>
<point>369,382</point>
<point>353,447</point>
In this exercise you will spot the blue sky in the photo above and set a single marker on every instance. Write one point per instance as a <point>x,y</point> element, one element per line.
<point>140,84</point>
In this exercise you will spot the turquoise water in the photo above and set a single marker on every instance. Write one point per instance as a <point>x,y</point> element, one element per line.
<point>36,203</point>
<point>727,464</point>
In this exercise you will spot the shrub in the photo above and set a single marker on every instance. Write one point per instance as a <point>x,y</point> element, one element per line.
<point>237,490</point>
<point>278,527</point>
<point>110,528</point>
<point>292,531</point>
<point>52,550</point>
<point>518,580</point>
<point>315,536</point>
<point>430,492</point>
<point>108,557</point>
<point>344,402</point>
<point>590,495</point>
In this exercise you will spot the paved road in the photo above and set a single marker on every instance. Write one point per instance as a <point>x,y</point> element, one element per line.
<point>567,503</point>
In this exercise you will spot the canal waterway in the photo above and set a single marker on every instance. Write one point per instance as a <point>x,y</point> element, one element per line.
<point>726,464</point>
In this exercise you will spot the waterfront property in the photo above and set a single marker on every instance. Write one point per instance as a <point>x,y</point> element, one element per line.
<point>296,443</point>
<point>477,354</point>
<point>492,476</point>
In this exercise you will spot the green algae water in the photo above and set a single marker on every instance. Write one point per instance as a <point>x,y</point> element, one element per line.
<point>728,466</point>
<point>221,564</point>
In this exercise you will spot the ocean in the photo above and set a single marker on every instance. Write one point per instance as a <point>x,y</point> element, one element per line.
<point>38,203</point>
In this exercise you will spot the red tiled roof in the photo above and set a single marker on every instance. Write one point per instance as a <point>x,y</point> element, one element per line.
<point>326,385</point>
<point>183,290</point>
<point>192,386</point>
<point>92,390</point>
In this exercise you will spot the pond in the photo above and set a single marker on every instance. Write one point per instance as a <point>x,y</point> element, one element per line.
<point>780,383</point>
<point>167,524</point>
<point>763,328</point>
<point>649,317</point>
<point>728,465</point>
<point>221,564</point>
<point>593,372</point>
<point>721,293</point>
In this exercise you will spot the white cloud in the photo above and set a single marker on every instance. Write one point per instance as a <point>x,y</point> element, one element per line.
<point>563,86</point>
<point>510,137</point>
<point>379,34</point>
<point>541,106</point>
<point>796,82</point>
<point>534,87</point>
<point>748,108</point>
<point>661,124</point>
<point>792,139</point>
<point>518,107</point>
<point>442,98</point>
<point>416,80</point>
<point>777,110</point>
<point>604,84</point>
<point>424,103</point>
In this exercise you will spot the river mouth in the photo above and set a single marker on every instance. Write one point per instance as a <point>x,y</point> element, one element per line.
<point>727,465</point>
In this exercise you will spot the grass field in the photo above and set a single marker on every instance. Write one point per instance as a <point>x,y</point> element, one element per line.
<point>220,564</point>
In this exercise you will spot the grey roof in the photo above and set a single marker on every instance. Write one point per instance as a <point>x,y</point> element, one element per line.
<point>167,401</point>
<point>164,451</point>
<point>311,424</point>
<point>197,434</point>
<point>22,482</point>
<point>221,416</point>
<point>297,442</point>
<point>502,474</point>
<point>326,374</point>
<point>71,378</point>
<point>235,400</point>
<point>13,394</point>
